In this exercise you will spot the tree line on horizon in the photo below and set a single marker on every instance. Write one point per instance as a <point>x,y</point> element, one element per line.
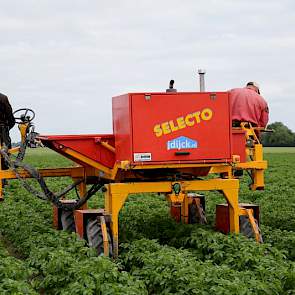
<point>281,136</point>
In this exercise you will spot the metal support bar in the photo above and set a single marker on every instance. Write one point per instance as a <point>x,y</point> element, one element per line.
<point>14,150</point>
<point>249,213</point>
<point>232,197</point>
<point>107,146</point>
<point>104,236</point>
<point>88,161</point>
<point>117,193</point>
<point>50,172</point>
<point>74,172</point>
<point>222,169</point>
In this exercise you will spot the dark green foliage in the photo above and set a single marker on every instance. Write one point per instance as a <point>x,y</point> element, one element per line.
<point>167,270</point>
<point>61,262</point>
<point>269,262</point>
<point>282,136</point>
<point>185,259</point>
<point>14,275</point>
<point>278,200</point>
<point>282,239</point>
<point>237,253</point>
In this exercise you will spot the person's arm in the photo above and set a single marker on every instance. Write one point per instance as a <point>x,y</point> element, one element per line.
<point>264,116</point>
<point>9,113</point>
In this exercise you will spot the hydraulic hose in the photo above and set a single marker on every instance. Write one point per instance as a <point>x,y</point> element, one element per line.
<point>45,193</point>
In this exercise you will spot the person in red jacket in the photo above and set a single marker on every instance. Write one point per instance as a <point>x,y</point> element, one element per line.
<point>247,105</point>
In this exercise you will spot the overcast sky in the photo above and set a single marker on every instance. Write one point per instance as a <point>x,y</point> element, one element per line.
<point>66,59</point>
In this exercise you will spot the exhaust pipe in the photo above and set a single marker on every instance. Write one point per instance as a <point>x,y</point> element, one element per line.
<point>202,73</point>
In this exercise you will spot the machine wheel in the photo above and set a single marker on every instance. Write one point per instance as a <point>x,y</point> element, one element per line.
<point>95,237</point>
<point>192,214</point>
<point>246,228</point>
<point>201,215</point>
<point>68,221</point>
<point>197,214</point>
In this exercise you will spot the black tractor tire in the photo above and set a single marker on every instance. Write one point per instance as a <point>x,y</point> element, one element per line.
<point>68,221</point>
<point>192,215</point>
<point>246,228</point>
<point>196,214</point>
<point>202,215</point>
<point>95,238</point>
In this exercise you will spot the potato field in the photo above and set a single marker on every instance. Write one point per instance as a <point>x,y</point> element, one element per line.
<point>157,255</point>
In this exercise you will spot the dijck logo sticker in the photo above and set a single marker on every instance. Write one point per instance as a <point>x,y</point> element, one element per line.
<point>181,142</point>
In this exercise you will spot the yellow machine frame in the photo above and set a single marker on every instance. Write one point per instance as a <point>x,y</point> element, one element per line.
<point>117,193</point>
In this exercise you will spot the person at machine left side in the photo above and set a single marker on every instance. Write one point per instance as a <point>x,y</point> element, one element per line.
<point>6,123</point>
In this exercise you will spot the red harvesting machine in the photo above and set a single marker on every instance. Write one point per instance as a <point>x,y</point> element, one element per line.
<point>179,144</point>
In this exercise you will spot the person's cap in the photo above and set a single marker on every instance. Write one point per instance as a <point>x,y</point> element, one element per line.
<point>255,85</point>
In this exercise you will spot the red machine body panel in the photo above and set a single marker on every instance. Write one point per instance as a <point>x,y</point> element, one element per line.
<point>122,127</point>
<point>239,143</point>
<point>172,127</point>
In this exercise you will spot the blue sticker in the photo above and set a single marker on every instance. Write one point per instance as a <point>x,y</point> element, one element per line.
<point>181,142</point>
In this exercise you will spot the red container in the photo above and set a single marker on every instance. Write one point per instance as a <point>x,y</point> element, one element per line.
<point>222,216</point>
<point>239,143</point>
<point>88,145</point>
<point>172,127</point>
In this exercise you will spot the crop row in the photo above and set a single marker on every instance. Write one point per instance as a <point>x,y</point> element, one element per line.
<point>146,216</point>
<point>167,270</point>
<point>187,259</point>
<point>14,274</point>
<point>277,201</point>
<point>61,263</point>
